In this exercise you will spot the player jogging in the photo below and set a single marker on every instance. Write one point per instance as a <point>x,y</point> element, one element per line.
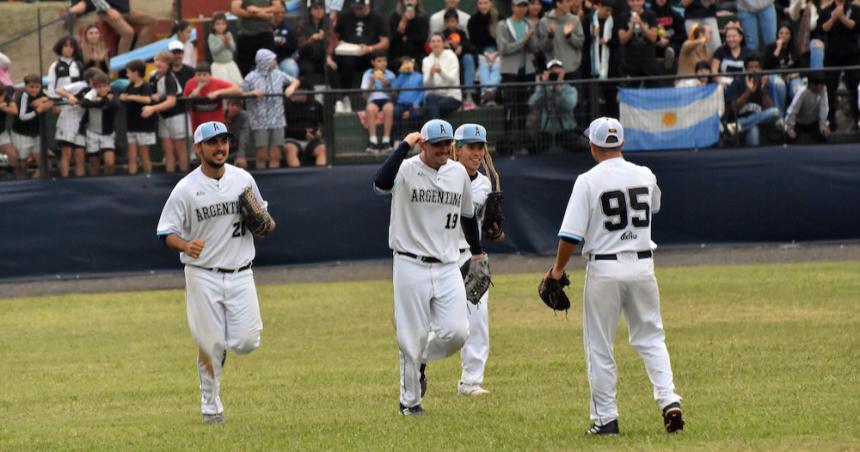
<point>609,212</point>
<point>471,151</point>
<point>431,198</point>
<point>202,221</point>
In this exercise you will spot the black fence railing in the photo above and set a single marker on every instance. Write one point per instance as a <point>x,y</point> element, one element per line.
<point>521,118</point>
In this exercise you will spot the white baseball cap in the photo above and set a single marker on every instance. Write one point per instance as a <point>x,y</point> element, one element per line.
<point>175,45</point>
<point>601,129</point>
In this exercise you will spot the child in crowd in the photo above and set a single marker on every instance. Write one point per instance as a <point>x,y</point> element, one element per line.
<point>102,107</point>
<point>809,110</point>
<point>378,77</point>
<point>67,69</point>
<point>223,46</point>
<point>303,134</point>
<point>30,103</point>
<point>457,40</point>
<point>182,30</point>
<point>267,82</point>
<point>172,120</point>
<point>239,125</point>
<point>69,133</point>
<point>7,107</point>
<point>407,109</point>
<point>205,85</point>
<point>141,131</point>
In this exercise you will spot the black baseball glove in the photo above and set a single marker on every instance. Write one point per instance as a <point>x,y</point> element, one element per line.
<point>255,217</point>
<point>551,291</point>
<point>494,216</point>
<point>477,278</point>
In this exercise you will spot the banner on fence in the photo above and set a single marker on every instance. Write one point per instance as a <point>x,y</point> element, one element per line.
<point>670,118</point>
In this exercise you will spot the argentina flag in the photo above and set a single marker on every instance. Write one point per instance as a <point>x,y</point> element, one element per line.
<point>671,118</point>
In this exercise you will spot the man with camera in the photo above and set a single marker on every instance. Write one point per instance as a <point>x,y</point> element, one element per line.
<point>554,102</point>
<point>749,100</point>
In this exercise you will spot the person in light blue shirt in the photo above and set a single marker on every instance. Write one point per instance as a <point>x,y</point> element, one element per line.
<point>407,109</point>
<point>377,78</point>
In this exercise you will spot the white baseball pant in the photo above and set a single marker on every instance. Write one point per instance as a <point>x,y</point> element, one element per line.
<point>627,286</point>
<point>223,314</point>
<point>476,350</point>
<point>430,317</point>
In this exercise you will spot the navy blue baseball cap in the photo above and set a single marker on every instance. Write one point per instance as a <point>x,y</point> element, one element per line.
<point>470,133</point>
<point>436,130</point>
<point>209,130</point>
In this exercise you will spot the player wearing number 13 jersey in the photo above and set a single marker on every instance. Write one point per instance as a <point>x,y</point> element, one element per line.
<point>201,220</point>
<point>609,213</point>
<point>431,202</point>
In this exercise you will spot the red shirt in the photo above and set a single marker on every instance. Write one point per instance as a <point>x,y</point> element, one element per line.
<point>206,110</point>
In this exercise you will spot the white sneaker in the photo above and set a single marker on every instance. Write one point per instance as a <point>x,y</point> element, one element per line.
<point>347,106</point>
<point>471,390</point>
<point>338,107</point>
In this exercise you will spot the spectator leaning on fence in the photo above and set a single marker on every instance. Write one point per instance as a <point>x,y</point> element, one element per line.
<point>441,69</point>
<point>838,23</point>
<point>268,83</point>
<point>172,120</point>
<point>222,46</point>
<point>68,67</point>
<point>407,108</point>
<point>808,111</point>
<point>8,107</point>
<point>409,27</point>
<point>555,104</point>
<point>695,50</point>
<point>561,38</point>
<point>140,131</point>
<point>751,102</point>
<point>757,17</point>
<point>239,125</point>
<point>255,29</point>
<point>304,140</point>
<point>482,32</point>
<point>31,103</point>
<point>102,108</point>
<point>68,134</point>
<point>516,40</point>
<point>209,90</point>
<point>312,42</point>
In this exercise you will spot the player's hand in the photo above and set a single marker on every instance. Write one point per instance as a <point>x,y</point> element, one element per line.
<point>791,133</point>
<point>413,138</point>
<point>194,248</point>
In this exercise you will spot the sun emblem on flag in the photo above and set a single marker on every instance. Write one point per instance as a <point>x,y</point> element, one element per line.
<point>670,118</point>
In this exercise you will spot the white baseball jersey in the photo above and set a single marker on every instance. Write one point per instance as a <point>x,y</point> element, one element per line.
<point>204,208</point>
<point>426,207</point>
<point>481,187</point>
<point>610,208</point>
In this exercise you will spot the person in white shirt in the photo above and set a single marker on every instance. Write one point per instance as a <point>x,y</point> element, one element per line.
<point>609,214</point>
<point>441,69</point>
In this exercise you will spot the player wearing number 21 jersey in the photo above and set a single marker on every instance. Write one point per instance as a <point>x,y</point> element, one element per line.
<point>609,213</point>
<point>431,198</point>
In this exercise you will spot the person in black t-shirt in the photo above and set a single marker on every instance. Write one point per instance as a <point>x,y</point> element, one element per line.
<point>637,34</point>
<point>750,103</point>
<point>409,27</point>
<point>141,131</point>
<point>303,134</point>
<point>182,71</point>
<point>365,29</point>
<point>838,23</point>
<point>172,121</point>
<point>102,107</point>
<point>31,103</point>
<point>7,106</point>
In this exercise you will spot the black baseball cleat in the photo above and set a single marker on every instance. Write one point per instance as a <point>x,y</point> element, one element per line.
<point>423,380</point>
<point>411,411</point>
<point>610,428</point>
<point>673,420</point>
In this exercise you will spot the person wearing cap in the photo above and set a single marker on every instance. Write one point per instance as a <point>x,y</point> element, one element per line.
<point>431,202</point>
<point>182,71</point>
<point>609,216</point>
<point>255,29</point>
<point>555,103</point>
<point>172,120</point>
<point>561,37</point>
<point>208,90</point>
<point>517,44</point>
<point>470,141</point>
<point>808,110</point>
<point>201,220</point>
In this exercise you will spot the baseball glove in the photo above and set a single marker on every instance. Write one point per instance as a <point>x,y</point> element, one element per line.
<point>477,278</point>
<point>494,216</point>
<point>551,291</point>
<point>255,217</point>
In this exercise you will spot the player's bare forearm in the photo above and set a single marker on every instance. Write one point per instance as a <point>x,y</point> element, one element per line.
<point>176,243</point>
<point>562,256</point>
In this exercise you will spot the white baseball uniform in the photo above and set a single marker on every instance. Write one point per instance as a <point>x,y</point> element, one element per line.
<point>610,212</point>
<point>429,297</point>
<point>221,298</point>
<point>476,350</point>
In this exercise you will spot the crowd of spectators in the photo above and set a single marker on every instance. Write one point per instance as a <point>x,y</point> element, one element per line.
<point>414,64</point>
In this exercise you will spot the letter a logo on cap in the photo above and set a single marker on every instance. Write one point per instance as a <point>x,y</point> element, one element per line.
<point>477,132</point>
<point>215,126</point>
<point>442,128</point>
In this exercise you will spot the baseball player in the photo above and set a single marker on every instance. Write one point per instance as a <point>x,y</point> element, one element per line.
<point>609,213</point>
<point>201,221</point>
<point>431,201</point>
<point>471,141</point>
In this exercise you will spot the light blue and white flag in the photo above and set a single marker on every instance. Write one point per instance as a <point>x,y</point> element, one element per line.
<point>671,118</point>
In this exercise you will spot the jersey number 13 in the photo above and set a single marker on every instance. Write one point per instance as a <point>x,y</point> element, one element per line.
<point>615,208</point>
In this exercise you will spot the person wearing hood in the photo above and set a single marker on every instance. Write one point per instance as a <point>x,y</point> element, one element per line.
<point>267,83</point>
<point>561,38</point>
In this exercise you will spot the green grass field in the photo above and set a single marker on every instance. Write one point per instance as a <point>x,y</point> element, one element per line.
<point>767,357</point>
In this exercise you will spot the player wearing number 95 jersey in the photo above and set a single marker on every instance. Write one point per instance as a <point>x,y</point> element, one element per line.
<point>201,221</point>
<point>609,213</point>
<point>431,198</point>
